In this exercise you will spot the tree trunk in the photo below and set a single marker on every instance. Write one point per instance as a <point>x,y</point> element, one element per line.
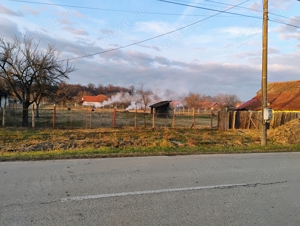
<point>25,113</point>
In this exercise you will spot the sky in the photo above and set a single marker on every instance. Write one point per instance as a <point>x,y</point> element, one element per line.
<point>219,53</point>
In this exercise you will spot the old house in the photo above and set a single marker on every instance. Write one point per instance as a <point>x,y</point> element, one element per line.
<point>161,109</point>
<point>93,100</point>
<point>282,96</point>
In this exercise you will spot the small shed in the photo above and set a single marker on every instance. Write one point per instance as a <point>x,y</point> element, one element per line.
<point>162,108</point>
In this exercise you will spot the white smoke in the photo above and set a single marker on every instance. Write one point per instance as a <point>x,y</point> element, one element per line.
<point>135,102</point>
<point>133,105</point>
<point>117,98</point>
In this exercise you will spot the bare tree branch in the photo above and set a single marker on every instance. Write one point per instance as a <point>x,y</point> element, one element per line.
<point>29,72</point>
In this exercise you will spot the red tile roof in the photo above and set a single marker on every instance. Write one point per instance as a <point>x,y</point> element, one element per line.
<point>100,98</point>
<point>281,96</point>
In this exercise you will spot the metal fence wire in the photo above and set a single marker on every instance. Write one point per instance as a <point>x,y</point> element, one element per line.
<point>90,118</point>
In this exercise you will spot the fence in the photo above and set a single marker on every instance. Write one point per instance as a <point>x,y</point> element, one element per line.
<point>88,118</point>
<point>252,119</point>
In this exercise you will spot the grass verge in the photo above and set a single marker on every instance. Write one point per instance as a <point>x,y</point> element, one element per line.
<point>106,152</point>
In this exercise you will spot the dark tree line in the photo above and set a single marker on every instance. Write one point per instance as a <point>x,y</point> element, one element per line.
<point>73,93</point>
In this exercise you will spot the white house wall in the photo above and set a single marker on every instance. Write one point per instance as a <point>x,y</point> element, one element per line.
<point>90,103</point>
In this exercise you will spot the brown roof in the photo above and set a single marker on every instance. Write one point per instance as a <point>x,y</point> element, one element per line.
<point>281,96</point>
<point>161,103</point>
<point>100,98</point>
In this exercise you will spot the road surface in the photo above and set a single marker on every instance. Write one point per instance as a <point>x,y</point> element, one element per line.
<point>243,189</point>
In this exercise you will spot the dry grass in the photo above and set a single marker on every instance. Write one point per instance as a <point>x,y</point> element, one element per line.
<point>31,144</point>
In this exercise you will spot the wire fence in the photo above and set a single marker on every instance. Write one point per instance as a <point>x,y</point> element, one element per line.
<point>90,118</point>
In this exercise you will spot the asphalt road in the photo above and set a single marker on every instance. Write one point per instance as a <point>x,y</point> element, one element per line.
<point>244,189</point>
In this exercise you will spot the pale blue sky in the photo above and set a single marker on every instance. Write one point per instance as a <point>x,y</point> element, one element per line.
<point>219,55</point>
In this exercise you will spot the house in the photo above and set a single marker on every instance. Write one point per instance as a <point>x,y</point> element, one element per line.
<point>207,106</point>
<point>3,99</point>
<point>93,100</point>
<point>282,96</point>
<point>162,108</point>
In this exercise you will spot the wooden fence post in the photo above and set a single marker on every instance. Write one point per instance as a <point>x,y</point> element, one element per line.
<point>153,118</point>
<point>86,118</point>
<point>32,117</point>
<point>3,116</point>
<point>194,119</point>
<point>101,111</point>
<point>211,119</point>
<point>71,118</point>
<point>114,118</point>
<point>91,112</point>
<point>145,119</point>
<point>54,117</point>
<point>233,120</point>
<point>135,118</point>
<point>173,120</point>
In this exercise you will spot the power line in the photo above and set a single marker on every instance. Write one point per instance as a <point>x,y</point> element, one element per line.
<point>257,10</point>
<point>284,16</point>
<point>209,9</point>
<point>158,36</point>
<point>105,9</point>
<point>279,22</point>
<point>241,7</point>
<point>216,10</point>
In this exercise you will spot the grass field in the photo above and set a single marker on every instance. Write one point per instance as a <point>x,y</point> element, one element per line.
<point>36,144</point>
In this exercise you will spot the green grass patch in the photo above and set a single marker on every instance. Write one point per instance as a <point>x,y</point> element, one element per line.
<point>106,152</point>
<point>42,144</point>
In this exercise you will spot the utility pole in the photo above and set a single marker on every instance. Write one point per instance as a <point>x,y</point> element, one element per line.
<point>264,82</point>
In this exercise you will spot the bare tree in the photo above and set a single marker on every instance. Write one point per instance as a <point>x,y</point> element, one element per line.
<point>63,94</point>
<point>193,100</point>
<point>26,69</point>
<point>227,100</point>
<point>144,96</point>
<point>41,92</point>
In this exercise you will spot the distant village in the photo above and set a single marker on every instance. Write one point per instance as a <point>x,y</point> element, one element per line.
<point>129,98</point>
<point>281,96</point>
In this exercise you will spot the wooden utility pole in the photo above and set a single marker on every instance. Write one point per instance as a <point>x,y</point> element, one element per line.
<point>264,82</point>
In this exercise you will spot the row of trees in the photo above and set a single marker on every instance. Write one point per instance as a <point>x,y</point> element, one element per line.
<point>73,93</point>
<point>196,100</point>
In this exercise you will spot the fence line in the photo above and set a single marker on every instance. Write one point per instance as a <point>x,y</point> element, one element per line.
<point>88,118</point>
<point>252,119</point>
